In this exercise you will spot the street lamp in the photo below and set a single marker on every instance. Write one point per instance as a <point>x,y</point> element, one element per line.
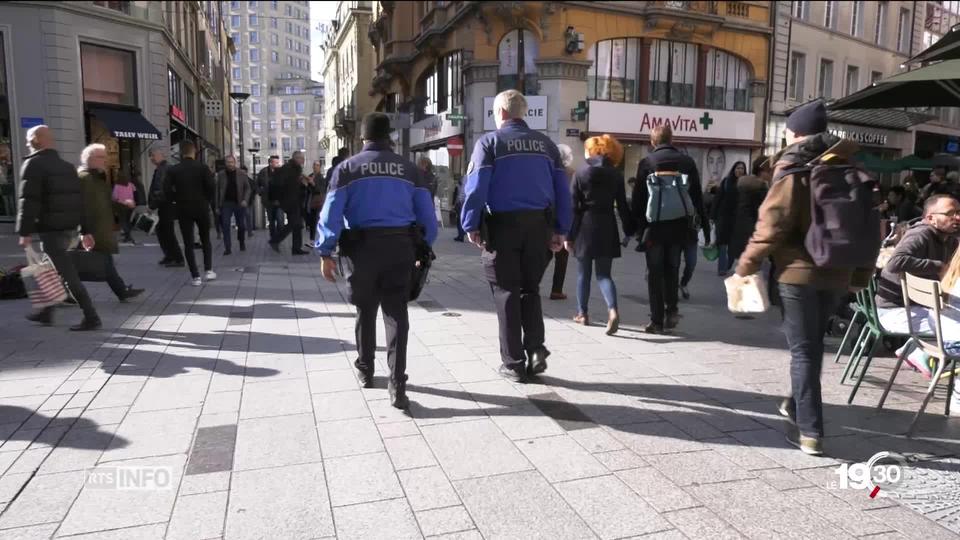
<point>239,98</point>
<point>253,157</point>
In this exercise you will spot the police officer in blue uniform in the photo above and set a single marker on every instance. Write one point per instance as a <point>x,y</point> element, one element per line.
<point>517,192</point>
<point>377,205</point>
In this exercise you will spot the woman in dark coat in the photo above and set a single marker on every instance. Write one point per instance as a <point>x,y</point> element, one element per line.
<point>751,190</point>
<point>594,237</point>
<point>724,214</point>
<point>98,208</point>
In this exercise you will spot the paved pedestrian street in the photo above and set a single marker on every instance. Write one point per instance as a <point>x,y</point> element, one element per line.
<point>233,411</point>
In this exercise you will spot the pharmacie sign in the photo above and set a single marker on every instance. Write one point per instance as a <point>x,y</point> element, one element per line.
<point>536,116</point>
<point>640,119</point>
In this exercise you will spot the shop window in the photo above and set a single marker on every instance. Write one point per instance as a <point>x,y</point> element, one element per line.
<point>8,195</point>
<point>108,75</point>
<point>614,73</point>
<point>673,73</point>
<point>727,85</point>
<point>518,52</point>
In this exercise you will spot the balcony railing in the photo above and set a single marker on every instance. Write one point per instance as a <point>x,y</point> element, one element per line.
<point>708,7</point>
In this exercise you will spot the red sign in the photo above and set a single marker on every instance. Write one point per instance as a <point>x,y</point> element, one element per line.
<point>178,114</point>
<point>455,146</point>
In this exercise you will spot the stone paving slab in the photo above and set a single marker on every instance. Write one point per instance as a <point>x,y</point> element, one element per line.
<point>655,437</point>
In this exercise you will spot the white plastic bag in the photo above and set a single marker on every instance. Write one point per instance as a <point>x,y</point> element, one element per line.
<point>746,294</point>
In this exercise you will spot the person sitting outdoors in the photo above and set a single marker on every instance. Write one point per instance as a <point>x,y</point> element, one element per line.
<point>898,206</point>
<point>924,251</point>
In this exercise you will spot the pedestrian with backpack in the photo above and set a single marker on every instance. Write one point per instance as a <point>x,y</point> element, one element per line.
<point>818,260</point>
<point>667,206</point>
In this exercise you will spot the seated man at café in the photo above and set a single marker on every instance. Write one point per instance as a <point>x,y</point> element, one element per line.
<point>924,251</point>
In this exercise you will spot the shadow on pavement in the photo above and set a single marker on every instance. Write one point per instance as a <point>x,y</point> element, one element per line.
<point>719,417</point>
<point>83,433</point>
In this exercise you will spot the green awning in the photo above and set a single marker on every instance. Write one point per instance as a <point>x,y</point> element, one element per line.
<point>875,164</point>
<point>936,85</point>
<point>946,48</point>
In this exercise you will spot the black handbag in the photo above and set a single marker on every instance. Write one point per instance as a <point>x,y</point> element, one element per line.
<point>90,265</point>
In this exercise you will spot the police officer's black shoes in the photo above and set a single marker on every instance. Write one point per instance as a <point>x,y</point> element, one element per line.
<point>538,361</point>
<point>513,375</point>
<point>398,393</point>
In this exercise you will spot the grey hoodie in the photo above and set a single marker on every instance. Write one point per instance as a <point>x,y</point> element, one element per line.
<point>923,252</point>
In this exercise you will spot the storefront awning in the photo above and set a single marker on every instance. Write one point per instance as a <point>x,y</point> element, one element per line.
<point>946,48</point>
<point>125,124</point>
<point>937,85</point>
<point>896,119</point>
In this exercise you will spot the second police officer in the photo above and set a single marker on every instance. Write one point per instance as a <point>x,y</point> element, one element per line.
<point>517,192</point>
<point>376,202</point>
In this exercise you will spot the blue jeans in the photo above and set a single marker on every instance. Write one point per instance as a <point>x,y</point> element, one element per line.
<point>690,254</point>
<point>607,287</point>
<point>806,312</point>
<point>723,261</point>
<point>240,214</point>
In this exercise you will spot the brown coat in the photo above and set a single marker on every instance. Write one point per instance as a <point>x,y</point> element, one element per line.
<point>785,217</point>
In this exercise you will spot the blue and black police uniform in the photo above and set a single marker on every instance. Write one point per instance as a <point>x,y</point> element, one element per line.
<point>517,192</point>
<point>375,203</point>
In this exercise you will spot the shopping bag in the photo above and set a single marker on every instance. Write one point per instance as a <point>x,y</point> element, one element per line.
<point>746,294</point>
<point>43,283</point>
<point>90,265</point>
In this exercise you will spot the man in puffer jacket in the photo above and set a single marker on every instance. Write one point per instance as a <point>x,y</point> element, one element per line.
<point>49,192</point>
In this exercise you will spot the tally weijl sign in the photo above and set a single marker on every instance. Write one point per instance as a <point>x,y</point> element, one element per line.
<point>536,116</point>
<point>640,119</point>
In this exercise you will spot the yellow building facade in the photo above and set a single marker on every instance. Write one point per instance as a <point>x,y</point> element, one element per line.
<point>586,67</point>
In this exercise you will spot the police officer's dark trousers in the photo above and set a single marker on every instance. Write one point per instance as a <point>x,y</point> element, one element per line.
<point>514,260</point>
<point>378,264</point>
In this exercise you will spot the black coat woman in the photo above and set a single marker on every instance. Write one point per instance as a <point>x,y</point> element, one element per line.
<point>599,195</point>
<point>724,214</point>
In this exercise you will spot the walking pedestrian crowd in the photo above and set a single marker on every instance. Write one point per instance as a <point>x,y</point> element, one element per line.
<point>376,210</point>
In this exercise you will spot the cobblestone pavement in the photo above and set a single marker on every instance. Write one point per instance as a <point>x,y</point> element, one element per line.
<point>235,409</point>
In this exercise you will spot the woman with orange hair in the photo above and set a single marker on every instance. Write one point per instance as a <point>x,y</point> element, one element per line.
<point>594,239</point>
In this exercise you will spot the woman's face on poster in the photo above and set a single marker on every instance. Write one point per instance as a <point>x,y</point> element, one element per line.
<point>716,163</point>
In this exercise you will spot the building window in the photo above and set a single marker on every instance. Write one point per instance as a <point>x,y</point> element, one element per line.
<point>301,124</point>
<point>301,107</point>
<point>273,22</point>
<point>673,73</point>
<point>236,88</point>
<point>272,107</point>
<point>273,143</point>
<point>727,81</point>
<point>237,74</point>
<point>289,44</point>
<point>274,5</point>
<point>255,107</point>
<point>285,107</point>
<point>236,57</point>
<point>518,53</point>
<point>881,22</point>
<point>875,76</point>
<point>254,37</point>
<point>190,105</point>
<point>798,66</point>
<point>289,60</point>
<point>273,125</point>
<point>903,31</point>
<point>286,143</point>
<point>856,23</point>
<point>252,5</point>
<point>255,91</point>
<point>234,5</point>
<point>274,40</point>
<point>825,89</point>
<point>108,75</point>
<point>235,21</point>
<point>254,21</point>
<point>236,38</point>
<point>254,73</point>
<point>289,27</point>
<point>853,79</point>
<point>614,75</point>
<point>301,143</point>
<point>173,88</point>
<point>254,55</point>
<point>256,126</point>
<point>830,14</point>
<point>801,9</point>
<point>286,124</point>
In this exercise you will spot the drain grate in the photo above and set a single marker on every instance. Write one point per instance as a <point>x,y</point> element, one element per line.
<point>563,412</point>
<point>213,449</point>
<point>431,305</point>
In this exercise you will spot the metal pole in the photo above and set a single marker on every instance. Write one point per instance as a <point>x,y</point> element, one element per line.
<point>240,108</point>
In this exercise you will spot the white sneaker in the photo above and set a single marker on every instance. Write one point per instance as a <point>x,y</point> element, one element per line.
<point>196,282</point>
<point>211,275</point>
